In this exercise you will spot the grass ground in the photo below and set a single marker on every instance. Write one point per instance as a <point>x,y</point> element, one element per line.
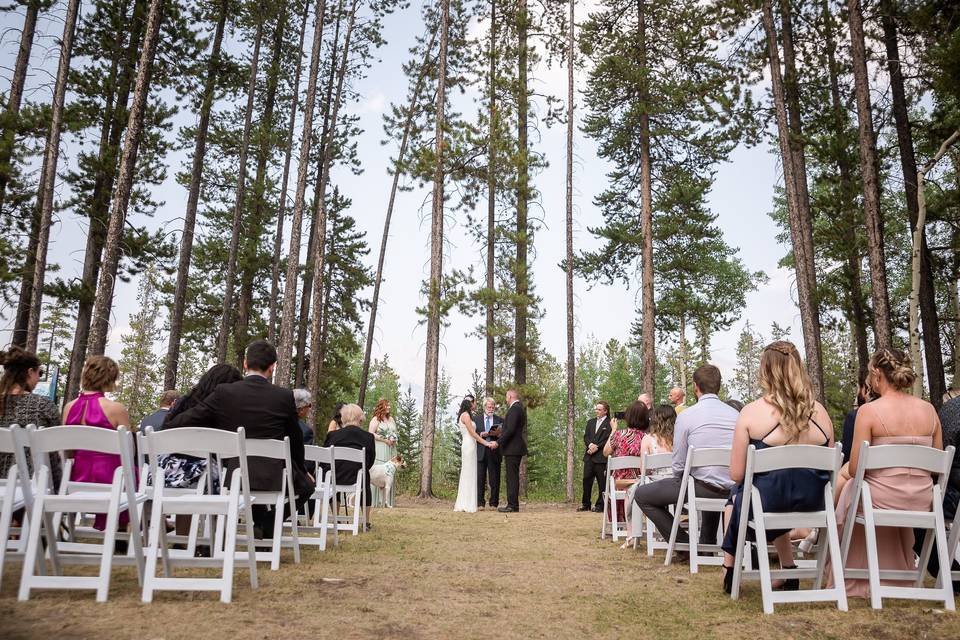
<point>426,572</point>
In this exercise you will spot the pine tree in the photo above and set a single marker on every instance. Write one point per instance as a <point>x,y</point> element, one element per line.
<point>140,373</point>
<point>745,376</point>
<point>408,440</point>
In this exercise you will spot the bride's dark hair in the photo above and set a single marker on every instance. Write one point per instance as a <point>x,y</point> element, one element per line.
<point>465,405</point>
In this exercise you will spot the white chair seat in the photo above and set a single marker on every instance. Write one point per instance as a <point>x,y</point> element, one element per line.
<point>79,501</point>
<point>205,504</point>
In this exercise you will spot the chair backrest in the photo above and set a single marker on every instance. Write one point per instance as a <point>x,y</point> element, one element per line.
<point>911,456</point>
<point>73,437</point>
<point>708,457</point>
<point>795,456</point>
<point>320,455</point>
<point>349,454</point>
<point>7,442</point>
<point>13,440</point>
<point>624,462</point>
<point>196,441</point>
<point>656,461</point>
<point>273,449</point>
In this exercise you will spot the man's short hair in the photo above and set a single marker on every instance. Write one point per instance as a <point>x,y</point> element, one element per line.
<point>260,355</point>
<point>351,414</point>
<point>168,397</point>
<point>707,378</point>
<point>301,397</point>
<point>605,405</point>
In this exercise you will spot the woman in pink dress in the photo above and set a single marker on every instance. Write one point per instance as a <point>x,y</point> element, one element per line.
<point>93,409</point>
<point>895,417</point>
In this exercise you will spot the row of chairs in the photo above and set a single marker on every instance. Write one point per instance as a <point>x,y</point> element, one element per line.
<point>753,516</point>
<point>62,514</point>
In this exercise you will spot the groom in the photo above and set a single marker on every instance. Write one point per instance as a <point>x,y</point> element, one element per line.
<point>513,446</point>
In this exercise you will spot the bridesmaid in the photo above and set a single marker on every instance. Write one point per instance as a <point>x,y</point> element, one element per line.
<point>384,431</point>
<point>93,409</point>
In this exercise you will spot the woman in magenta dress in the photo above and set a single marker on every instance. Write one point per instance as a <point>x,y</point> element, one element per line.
<point>93,409</point>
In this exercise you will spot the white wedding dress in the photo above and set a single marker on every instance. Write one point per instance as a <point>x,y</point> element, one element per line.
<point>467,490</point>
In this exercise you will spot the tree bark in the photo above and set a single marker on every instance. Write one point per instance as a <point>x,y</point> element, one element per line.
<point>571,349</point>
<point>278,238</point>
<point>521,350</point>
<point>871,180</point>
<point>491,202</point>
<point>378,279</point>
<point>908,164</point>
<point>48,174</point>
<point>121,197</point>
<point>648,309</point>
<point>223,337</point>
<point>287,316</point>
<point>436,269</point>
<point>193,198</point>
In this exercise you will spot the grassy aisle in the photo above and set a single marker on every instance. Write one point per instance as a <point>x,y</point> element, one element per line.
<point>425,572</point>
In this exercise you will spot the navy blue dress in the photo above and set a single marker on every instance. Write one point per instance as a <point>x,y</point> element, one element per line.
<point>780,491</point>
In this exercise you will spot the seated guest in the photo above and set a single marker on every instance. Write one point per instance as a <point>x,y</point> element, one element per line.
<point>304,402</point>
<point>155,419</point>
<point>354,436</point>
<point>708,423</point>
<point>786,415</point>
<point>863,397</point>
<point>336,421</point>
<point>659,438</point>
<point>265,412</point>
<point>92,408</point>
<point>628,442</point>
<point>895,417</point>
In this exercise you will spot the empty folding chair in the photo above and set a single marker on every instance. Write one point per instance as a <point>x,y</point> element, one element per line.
<point>15,494</point>
<point>276,450</point>
<point>319,522</point>
<point>699,553</point>
<point>863,512</point>
<point>81,497</point>
<point>655,467</point>
<point>612,494</point>
<point>227,506</point>
<point>352,495</point>
<point>780,458</point>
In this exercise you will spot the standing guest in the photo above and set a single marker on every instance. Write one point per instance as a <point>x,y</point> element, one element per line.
<point>489,426</point>
<point>155,419</point>
<point>336,421</point>
<point>303,401</point>
<point>660,437</point>
<point>92,408</point>
<point>594,458</point>
<point>265,412</point>
<point>352,435</point>
<point>786,415</point>
<point>863,397</point>
<point>895,417</point>
<point>18,405</point>
<point>646,399</point>
<point>708,423</point>
<point>628,442</point>
<point>513,446</point>
<point>384,431</point>
<point>677,397</point>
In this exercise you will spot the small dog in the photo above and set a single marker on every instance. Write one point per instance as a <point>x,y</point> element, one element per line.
<point>383,475</point>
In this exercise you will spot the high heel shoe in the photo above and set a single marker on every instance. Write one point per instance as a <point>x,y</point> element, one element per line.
<point>727,579</point>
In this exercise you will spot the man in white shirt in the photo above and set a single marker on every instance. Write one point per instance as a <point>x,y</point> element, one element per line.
<point>707,424</point>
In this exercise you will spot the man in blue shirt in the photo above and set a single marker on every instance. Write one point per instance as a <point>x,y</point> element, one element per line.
<point>155,419</point>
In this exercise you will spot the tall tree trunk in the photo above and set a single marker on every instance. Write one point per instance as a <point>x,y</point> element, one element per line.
<point>571,349</point>
<point>684,356</point>
<point>806,256</point>
<point>278,238</point>
<point>7,142</point>
<point>378,279</point>
<point>321,358</point>
<point>320,235</point>
<point>871,180</point>
<point>908,164</point>
<point>254,229</point>
<point>223,337</point>
<point>287,316</point>
<point>523,197</point>
<point>648,309</point>
<point>48,174</point>
<point>491,201</point>
<point>121,197</point>
<point>436,268</point>
<point>193,199</point>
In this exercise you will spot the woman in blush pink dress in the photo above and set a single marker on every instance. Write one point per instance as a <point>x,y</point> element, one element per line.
<point>93,409</point>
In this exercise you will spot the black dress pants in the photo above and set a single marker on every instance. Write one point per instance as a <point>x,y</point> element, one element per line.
<point>593,471</point>
<point>489,469</point>
<point>511,466</point>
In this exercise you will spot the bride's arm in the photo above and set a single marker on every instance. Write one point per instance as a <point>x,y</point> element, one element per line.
<point>472,430</point>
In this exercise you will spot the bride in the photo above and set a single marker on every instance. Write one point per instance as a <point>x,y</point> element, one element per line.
<point>467,491</point>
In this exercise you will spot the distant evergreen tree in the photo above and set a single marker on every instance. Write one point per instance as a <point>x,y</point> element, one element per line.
<point>140,371</point>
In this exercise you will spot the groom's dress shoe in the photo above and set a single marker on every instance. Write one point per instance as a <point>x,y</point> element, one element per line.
<point>507,510</point>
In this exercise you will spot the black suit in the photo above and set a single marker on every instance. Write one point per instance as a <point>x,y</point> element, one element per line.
<point>355,438</point>
<point>513,446</point>
<point>488,461</point>
<point>595,464</point>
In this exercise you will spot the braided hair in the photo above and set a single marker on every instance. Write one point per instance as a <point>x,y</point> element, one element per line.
<point>895,366</point>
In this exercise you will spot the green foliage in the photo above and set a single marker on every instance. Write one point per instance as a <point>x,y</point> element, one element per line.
<point>140,373</point>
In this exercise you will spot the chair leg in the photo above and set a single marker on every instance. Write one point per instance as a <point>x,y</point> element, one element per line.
<point>153,548</point>
<point>693,530</point>
<point>230,546</point>
<point>873,561</point>
<point>6,515</point>
<point>109,538</point>
<point>943,555</point>
<point>294,531</point>
<point>33,551</point>
<point>766,585</point>
<point>836,561</point>
<point>277,534</point>
<point>251,548</point>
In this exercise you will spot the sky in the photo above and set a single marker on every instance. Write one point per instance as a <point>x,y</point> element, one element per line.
<point>741,197</point>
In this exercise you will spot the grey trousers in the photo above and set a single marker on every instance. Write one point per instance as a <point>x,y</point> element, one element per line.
<point>655,498</point>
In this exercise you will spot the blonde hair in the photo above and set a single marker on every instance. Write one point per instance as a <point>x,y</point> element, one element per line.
<point>380,412</point>
<point>351,414</point>
<point>787,386</point>
<point>895,366</point>
<point>100,373</point>
<point>663,418</point>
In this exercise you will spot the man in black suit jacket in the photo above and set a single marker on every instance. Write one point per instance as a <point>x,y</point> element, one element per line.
<point>352,435</point>
<point>594,462</point>
<point>266,412</point>
<point>488,426</point>
<point>513,446</point>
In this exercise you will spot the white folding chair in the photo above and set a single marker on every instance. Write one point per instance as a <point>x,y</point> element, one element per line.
<point>953,541</point>
<point>791,457</point>
<point>276,450</point>
<point>926,459</point>
<point>15,493</point>
<point>227,507</point>
<point>612,494</point>
<point>699,553</point>
<point>81,497</point>
<point>353,494</point>
<point>655,467</point>
<point>319,523</point>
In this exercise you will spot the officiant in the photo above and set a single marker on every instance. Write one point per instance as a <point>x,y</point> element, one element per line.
<point>489,426</point>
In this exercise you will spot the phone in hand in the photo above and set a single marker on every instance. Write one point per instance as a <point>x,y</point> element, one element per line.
<point>619,415</point>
